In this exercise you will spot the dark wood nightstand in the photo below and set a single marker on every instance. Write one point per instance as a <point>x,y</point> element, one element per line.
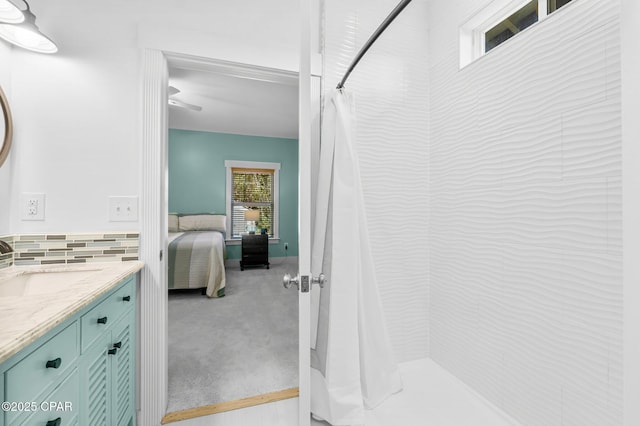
<point>255,250</point>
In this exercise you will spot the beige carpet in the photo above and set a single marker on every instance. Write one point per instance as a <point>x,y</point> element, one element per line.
<point>241,345</point>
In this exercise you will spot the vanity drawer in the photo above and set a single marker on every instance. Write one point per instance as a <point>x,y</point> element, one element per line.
<point>106,313</point>
<point>62,403</point>
<point>28,379</point>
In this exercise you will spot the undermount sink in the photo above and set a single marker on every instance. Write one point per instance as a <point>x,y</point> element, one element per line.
<point>34,283</point>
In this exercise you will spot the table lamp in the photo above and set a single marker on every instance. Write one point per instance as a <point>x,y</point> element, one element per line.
<point>251,217</point>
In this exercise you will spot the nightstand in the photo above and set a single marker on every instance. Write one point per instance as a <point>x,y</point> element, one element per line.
<point>255,250</point>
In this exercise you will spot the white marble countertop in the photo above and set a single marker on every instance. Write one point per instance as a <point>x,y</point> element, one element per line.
<point>24,319</point>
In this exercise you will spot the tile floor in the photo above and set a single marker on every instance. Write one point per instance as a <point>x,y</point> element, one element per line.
<point>431,396</point>
<point>281,413</point>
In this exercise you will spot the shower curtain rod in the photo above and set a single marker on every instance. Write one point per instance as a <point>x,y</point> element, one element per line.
<point>394,13</point>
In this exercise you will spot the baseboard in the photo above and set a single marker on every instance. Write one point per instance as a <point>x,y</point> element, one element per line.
<point>221,407</point>
<point>288,260</point>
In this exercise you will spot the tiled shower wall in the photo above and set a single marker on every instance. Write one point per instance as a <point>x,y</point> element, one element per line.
<point>525,205</point>
<point>51,249</point>
<point>389,89</point>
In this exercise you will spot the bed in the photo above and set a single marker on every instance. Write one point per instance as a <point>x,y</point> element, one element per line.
<point>196,253</point>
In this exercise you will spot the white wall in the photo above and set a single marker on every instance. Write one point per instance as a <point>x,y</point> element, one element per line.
<point>77,112</point>
<point>526,233</point>
<point>631,208</point>
<point>389,89</point>
<point>5,169</point>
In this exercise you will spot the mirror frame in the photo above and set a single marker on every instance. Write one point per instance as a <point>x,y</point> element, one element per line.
<point>8,128</point>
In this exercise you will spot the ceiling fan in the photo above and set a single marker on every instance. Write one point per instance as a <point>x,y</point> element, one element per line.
<point>178,103</point>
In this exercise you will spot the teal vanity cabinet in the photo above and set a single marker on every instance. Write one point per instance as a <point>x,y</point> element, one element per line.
<point>80,373</point>
<point>107,364</point>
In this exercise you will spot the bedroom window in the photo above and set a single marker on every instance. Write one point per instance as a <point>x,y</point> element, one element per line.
<point>252,186</point>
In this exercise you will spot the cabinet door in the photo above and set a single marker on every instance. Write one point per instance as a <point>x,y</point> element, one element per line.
<point>123,371</point>
<point>61,404</point>
<point>34,376</point>
<point>95,383</point>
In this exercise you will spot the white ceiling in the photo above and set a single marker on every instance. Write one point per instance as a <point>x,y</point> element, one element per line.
<point>235,99</point>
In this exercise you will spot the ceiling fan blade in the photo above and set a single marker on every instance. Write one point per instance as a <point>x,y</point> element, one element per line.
<point>173,91</point>
<point>180,104</point>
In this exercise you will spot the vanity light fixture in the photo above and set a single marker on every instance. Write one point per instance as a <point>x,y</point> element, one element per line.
<point>26,34</point>
<point>10,13</point>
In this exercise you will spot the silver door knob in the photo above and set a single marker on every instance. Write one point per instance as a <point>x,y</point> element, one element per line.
<point>320,280</point>
<point>289,281</point>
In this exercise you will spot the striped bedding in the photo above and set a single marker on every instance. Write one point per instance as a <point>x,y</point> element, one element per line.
<point>196,260</point>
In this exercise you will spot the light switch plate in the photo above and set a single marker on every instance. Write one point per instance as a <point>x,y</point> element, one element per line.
<point>123,209</point>
<point>32,206</point>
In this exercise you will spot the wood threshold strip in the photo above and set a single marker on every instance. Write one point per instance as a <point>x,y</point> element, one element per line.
<point>221,407</point>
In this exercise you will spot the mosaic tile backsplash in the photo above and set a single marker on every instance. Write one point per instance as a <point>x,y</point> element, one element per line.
<point>49,249</point>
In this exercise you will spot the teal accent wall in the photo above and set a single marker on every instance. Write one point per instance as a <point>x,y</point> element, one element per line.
<point>197,177</point>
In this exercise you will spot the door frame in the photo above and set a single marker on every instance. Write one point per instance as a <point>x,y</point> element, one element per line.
<point>304,214</point>
<point>153,327</point>
<point>152,323</point>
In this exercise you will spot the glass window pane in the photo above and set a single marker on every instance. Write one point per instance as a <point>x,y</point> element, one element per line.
<point>554,5</point>
<point>238,223</point>
<point>266,219</point>
<point>251,189</point>
<point>523,18</point>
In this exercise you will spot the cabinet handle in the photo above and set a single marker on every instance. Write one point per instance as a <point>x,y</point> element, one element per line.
<point>112,351</point>
<point>102,320</point>
<point>55,422</point>
<point>54,363</point>
<point>117,345</point>
<point>126,298</point>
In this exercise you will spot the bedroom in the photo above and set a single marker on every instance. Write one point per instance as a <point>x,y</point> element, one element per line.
<point>221,117</point>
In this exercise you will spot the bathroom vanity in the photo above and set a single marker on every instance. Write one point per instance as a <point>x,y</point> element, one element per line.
<point>68,345</point>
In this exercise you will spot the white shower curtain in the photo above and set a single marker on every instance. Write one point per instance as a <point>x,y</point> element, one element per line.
<point>352,363</point>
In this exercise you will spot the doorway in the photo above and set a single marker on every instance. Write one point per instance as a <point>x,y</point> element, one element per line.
<point>152,363</point>
<point>228,123</point>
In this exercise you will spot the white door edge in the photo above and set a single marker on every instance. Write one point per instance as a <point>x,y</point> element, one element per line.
<point>304,213</point>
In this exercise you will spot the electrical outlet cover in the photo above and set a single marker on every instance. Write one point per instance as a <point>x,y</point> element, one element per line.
<point>32,204</point>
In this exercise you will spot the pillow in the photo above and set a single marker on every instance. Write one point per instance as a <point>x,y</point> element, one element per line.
<point>173,222</point>
<point>203,222</point>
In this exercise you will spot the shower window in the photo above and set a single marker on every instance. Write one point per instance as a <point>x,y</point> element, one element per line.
<point>252,186</point>
<point>554,5</point>
<point>500,21</point>
<point>523,18</point>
